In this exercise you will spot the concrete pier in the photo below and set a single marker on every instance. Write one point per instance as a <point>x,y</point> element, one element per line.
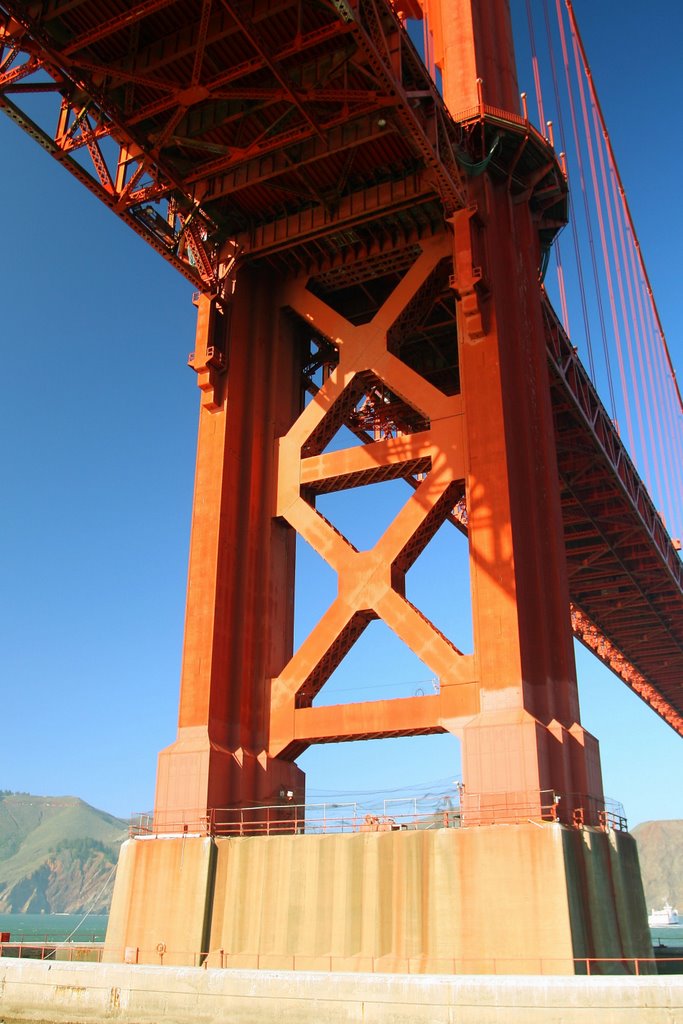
<point>514,899</point>
<point>95,993</point>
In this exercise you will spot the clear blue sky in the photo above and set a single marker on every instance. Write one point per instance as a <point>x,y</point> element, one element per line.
<point>98,417</point>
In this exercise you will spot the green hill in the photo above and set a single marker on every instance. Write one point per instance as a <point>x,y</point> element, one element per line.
<point>660,849</point>
<point>57,854</point>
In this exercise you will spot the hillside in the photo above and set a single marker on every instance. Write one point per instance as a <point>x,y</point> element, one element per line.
<point>660,849</point>
<point>57,854</point>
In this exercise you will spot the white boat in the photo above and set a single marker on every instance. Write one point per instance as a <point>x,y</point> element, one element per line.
<point>667,915</point>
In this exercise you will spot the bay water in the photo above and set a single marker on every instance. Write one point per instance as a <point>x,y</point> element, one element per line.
<point>54,927</point>
<point>669,935</point>
<point>93,928</point>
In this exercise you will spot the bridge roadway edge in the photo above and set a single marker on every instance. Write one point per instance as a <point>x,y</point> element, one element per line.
<point>83,993</point>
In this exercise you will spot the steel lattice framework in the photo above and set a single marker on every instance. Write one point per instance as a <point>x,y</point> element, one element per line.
<point>261,127</point>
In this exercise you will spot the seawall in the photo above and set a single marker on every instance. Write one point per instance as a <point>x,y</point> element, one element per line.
<point>95,993</point>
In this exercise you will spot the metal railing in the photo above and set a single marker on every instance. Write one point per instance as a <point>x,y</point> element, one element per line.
<point>446,810</point>
<point>70,952</point>
<point>310,819</point>
<point>575,809</point>
<point>387,964</point>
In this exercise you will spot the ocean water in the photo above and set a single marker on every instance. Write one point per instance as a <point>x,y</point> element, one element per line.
<point>54,927</point>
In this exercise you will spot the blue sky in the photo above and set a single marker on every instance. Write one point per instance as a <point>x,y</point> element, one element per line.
<point>98,417</point>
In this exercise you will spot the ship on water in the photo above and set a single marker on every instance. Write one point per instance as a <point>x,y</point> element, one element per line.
<point>661,918</point>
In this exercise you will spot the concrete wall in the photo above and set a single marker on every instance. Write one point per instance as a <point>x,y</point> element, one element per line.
<point>607,904</point>
<point>94,994</point>
<point>162,900</point>
<point>517,899</point>
<point>395,901</point>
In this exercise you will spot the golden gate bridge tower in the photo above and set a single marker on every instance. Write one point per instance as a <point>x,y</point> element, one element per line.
<point>366,252</point>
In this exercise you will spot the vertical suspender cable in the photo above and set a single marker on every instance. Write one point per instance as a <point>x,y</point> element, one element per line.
<point>541,114</point>
<point>673,418</point>
<point>534,64</point>
<point>572,214</point>
<point>556,248</point>
<point>643,268</point>
<point>630,317</point>
<point>587,215</point>
<point>676,450</point>
<point>654,391</point>
<point>605,249</point>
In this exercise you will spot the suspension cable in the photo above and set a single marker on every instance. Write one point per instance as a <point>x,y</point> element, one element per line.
<point>610,151</point>
<point>587,216</point>
<point>605,250</point>
<point>534,64</point>
<point>645,360</point>
<point>612,215</point>
<point>672,418</point>
<point>655,387</point>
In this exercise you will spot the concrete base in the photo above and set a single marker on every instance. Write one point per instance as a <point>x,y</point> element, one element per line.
<point>507,899</point>
<point>162,901</point>
<point>92,993</point>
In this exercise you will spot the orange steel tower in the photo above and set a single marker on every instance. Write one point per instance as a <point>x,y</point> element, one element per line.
<point>367,255</point>
<point>480,433</point>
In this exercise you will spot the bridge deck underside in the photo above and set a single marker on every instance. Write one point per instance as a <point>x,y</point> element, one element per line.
<point>285,129</point>
<point>624,572</point>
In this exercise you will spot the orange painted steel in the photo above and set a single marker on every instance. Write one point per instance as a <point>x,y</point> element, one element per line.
<point>351,240</point>
<point>246,716</point>
<point>240,599</point>
<point>371,583</point>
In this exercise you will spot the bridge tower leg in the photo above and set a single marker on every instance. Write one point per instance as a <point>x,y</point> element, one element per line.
<point>527,738</point>
<point>240,595</point>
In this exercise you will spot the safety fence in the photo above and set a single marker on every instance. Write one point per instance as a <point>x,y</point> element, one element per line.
<point>286,818</point>
<point>446,810</point>
<point>160,955</point>
<point>70,952</point>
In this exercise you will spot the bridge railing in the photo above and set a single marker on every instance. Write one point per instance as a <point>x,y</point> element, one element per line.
<point>448,810</point>
<point>311,819</point>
